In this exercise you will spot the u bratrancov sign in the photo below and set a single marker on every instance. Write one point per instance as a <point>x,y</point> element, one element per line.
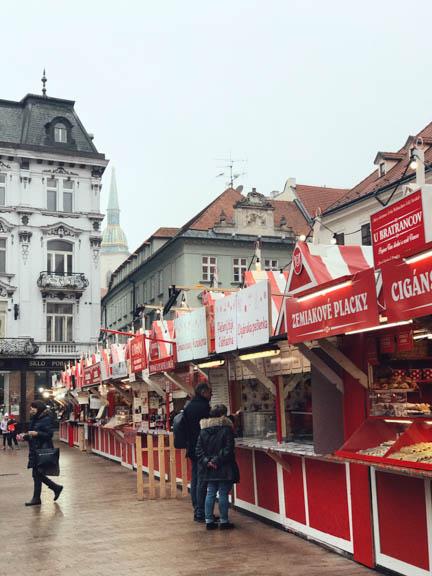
<point>353,306</point>
<point>402,227</point>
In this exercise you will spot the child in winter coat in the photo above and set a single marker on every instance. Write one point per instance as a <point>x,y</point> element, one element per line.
<point>216,454</point>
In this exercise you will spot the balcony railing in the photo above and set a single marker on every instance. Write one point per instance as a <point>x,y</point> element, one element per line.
<point>62,282</point>
<point>64,348</point>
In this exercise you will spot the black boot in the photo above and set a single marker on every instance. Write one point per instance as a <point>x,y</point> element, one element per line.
<point>57,491</point>
<point>34,502</point>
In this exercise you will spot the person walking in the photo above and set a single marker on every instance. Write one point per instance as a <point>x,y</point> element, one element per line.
<point>39,436</point>
<point>197,409</point>
<point>5,434</point>
<point>216,455</point>
<point>12,431</point>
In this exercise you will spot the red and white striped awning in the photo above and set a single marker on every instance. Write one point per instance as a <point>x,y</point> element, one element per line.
<point>315,264</point>
<point>278,285</point>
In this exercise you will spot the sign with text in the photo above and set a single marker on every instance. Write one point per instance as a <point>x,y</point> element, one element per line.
<point>92,375</point>
<point>191,335</point>
<point>138,358</point>
<point>242,320</point>
<point>253,315</point>
<point>162,365</point>
<point>225,324</point>
<point>401,227</point>
<point>407,289</point>
<point>336,310</point>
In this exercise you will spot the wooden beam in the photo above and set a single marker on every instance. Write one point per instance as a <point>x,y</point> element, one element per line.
<point>150,456</point>
<point>154,386</point>
<point>125,395</point>
<point>260,376</point>
<point>347,364</point>
<point>172,467</point>
<point>279,460</point>
<point>184,472</point>
<point>161,459</point>
<point>183,386</point>
<point>320,365</point>
<point>139,463</point>
<point>294,380</point>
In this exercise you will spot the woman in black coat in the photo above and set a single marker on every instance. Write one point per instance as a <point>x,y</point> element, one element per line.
<point>39,436</point>
<point>216,455</point>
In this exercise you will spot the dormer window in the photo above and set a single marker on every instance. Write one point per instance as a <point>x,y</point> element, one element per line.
<point>382,168</point>
<point>60,133</point>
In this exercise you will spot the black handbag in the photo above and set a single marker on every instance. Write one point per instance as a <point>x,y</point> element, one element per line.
<point>47,461</point>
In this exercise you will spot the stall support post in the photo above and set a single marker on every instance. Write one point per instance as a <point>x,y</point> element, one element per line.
<point>139,464</point>
<point>161,458</point>
<point>151,467</point>
<point>172,467</point>
<point>184,472</point>
<point>167,409</point>
<point>280,410</point>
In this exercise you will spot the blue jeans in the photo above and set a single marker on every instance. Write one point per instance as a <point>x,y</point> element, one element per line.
<point>213,487</point>
<point>198,491</point>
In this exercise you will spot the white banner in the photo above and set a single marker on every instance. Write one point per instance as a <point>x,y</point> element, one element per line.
<point>225,324</point>
<point>253,315</point>
<point>243,319</point>
<point>191,335</point>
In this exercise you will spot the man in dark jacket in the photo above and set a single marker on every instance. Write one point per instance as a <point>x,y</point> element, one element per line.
<point>39,436</point>
<point>197,409</point>
<point>216,455</point>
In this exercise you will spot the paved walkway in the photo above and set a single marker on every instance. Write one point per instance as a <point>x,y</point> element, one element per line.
<point>97,528</point>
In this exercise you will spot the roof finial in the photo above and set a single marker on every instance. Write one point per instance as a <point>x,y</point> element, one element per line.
<point>44,81</point>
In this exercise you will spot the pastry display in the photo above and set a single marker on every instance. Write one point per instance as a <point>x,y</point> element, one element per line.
<point>420,452</point>
<point>395,380</point>
<point>380,450</point>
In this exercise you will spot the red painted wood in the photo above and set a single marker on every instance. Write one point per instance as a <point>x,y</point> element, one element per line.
<point>267,483</point>
<point>278,410</point>
<point>245,488</point>
<point>294,490</point>
<point>70,435</point>
<point>327,498</point>
<point>355,396</point>
<point>402,518</point>
<point>361,515</point>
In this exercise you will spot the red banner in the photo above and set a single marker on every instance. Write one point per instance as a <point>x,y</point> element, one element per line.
<point>166,364</point>
<point>398,228</point>
<point>138,353</point>
<point>339,308</point>
<point>92,375</point>
<point>407,289</point>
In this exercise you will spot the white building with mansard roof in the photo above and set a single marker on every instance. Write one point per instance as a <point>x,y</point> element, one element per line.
<point>50,221</point>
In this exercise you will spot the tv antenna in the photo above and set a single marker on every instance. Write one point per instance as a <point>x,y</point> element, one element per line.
<point>229,170</point>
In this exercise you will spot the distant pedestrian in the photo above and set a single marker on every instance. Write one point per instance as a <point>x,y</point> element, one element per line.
<point>197,409</point>
<point>39,436</point>
<point>12,430</point>
<point>216,454</point>
<point>4,430</point>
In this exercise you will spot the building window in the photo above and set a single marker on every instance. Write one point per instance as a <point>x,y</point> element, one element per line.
<point>67,196</point>
<point>59,322</point>
<point>52,194</point>
<point>366,238</point>
<point>209,265</point>
<point>152,287</point>
<point>271,264</point>
<point>2,189</point>
<point>59,257</point>
<point>382,170</point>
<point>160,282</point>
<point>340,239</point>
<point>2,254</point>
<point>60,133</point>
<point>239,268</point>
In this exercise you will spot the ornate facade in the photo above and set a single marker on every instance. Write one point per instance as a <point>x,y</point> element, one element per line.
<point>50,183</point>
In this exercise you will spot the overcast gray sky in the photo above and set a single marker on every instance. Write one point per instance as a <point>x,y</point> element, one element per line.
<point>309,89</point>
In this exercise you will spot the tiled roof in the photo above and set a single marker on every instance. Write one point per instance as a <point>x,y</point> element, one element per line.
<point>293,217</point>
<point>315,198</point>
<point>210,215</point>
<point>24,123</point>
<point>374,182</point>
<point>165,232</point>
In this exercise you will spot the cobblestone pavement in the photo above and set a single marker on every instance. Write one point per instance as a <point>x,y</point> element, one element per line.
<point>98,528</point>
